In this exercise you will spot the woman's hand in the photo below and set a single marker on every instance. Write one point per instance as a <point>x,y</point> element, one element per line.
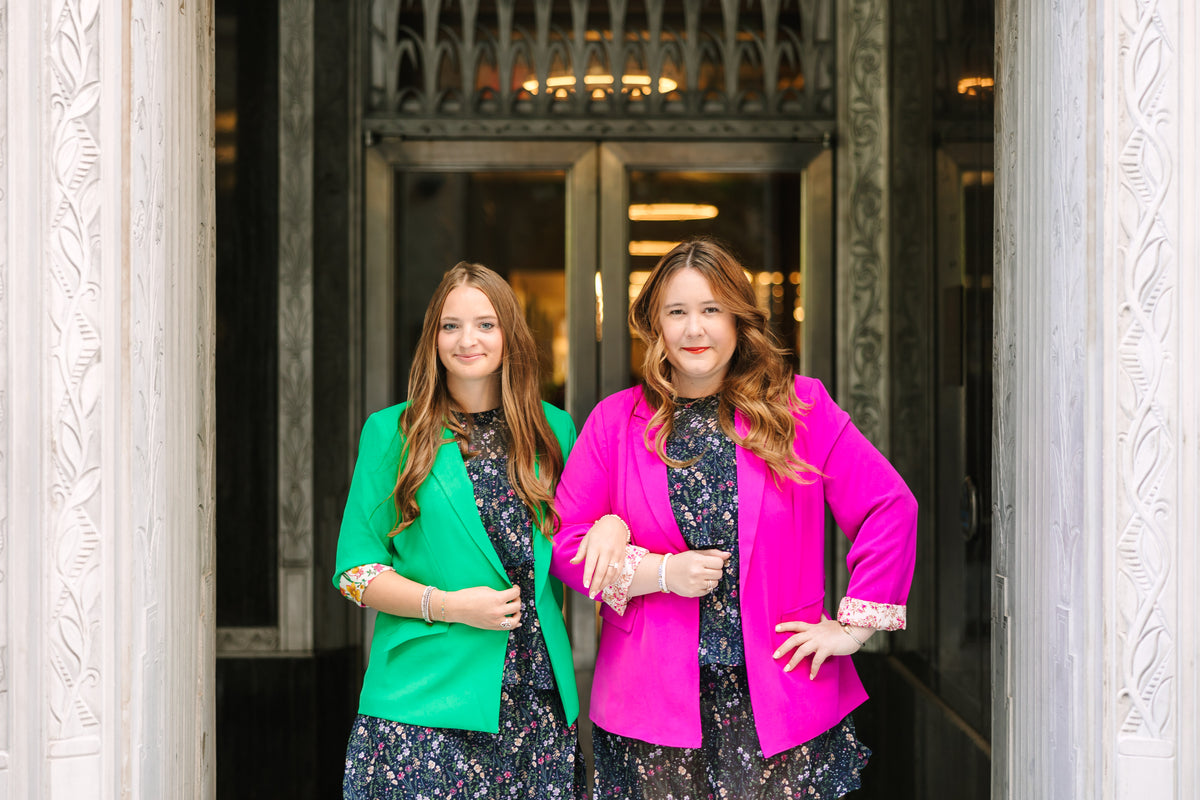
<point>483,607</point>
<point>602,552</point>
<point>695,573</point>
<point>819,640</point>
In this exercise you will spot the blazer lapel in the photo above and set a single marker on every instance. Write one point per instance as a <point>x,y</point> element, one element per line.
<point>751,478</point>
<point>451,475</point>
<point>650,477</point>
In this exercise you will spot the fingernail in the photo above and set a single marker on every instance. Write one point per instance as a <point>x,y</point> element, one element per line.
<point>788,668</point>
<point>776,654</point>
<point>778,628</point>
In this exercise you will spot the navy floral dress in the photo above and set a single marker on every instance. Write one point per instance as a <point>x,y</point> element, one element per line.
<point>535,754</point>
<point>729,763</point>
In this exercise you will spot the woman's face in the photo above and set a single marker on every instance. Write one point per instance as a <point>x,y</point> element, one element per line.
<point>699,334</point>
<point>469,343</point>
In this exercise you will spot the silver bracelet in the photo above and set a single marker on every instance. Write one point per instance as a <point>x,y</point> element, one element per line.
<point>846,630</point>
<point>425,604</point>
<point>662,574</point>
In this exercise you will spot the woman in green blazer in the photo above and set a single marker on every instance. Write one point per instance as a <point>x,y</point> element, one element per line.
<point>470,688</point>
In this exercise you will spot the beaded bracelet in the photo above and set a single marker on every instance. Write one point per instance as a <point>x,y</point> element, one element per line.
<point>628,533</point>
<point>662,574</point>
<point>425,604</point>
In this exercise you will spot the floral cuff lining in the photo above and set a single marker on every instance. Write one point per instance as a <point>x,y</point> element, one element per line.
<point>355,581</point>
<point>617,595</point>
<point>865,614</point>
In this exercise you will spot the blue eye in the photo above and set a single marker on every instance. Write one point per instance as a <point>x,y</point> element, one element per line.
<point>448,326</point>
<point>487,326</point>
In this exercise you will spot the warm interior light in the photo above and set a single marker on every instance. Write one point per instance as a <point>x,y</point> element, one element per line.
<point>976,85</point>
<point>658,212</point>
<point>650,247</point>
<point>637,280</point>
<point>638,83</point>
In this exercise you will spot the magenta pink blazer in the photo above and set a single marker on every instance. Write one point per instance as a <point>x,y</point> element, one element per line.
<point>647,678</point>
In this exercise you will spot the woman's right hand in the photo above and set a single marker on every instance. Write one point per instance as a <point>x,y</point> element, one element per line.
<point>695,573</point>
<point>484,607</point>
<point>602,552</point>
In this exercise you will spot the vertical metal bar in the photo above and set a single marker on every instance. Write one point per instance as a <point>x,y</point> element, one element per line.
<point>614,273</point>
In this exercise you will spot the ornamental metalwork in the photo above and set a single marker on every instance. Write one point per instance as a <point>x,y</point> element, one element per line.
<point>758,68</point>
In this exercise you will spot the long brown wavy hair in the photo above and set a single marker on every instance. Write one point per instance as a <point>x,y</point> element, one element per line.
<point>759,381</point>
<point>535,459</point>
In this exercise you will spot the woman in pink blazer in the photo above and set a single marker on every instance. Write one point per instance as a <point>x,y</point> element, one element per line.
<point>718,674</point>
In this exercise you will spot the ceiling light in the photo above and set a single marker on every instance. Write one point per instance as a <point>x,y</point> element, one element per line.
<point>976,85</point>
<point>651,247</point>
<point>598,82</point>
<point>658,212</point>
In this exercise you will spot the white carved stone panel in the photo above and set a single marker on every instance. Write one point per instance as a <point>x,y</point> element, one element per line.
<point>73,593</point>
<point>5,424</point>
<point>1096,416</point>
<point>112,684</point>
<point>146,665</point>
<point>1141,320</point>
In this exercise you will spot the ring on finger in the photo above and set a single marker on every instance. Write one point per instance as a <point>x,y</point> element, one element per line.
<point>506,623</point>
<point>612,565</point>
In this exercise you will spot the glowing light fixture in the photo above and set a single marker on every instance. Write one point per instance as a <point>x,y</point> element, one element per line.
<point>650,247</point>
<point>636,84</point>
<point>976,85</point>
<point>658,212</point>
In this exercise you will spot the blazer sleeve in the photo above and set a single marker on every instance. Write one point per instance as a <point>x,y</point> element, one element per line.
<point>583,495</point>
<point>370,513</point>
<point>877,512</point>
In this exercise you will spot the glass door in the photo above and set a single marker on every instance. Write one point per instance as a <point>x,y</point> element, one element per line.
<point>771,203</point>
<point>576,227</point>
<point>527,210</point>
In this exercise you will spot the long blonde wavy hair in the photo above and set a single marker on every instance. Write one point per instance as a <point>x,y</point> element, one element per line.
<point>759,382</point>
<point>535,459</point>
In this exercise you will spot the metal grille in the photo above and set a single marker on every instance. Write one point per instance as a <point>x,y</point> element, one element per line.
<point>763,69</point>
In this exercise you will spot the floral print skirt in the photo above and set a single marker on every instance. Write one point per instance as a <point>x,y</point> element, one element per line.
<point>535,755</point>
<point>729,763</point>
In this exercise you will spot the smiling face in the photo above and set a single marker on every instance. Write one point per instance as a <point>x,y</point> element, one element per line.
<point>470,344</point>
<point>698,334</point>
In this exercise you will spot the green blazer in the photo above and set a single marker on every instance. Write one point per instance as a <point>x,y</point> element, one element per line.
<point>441,675</point>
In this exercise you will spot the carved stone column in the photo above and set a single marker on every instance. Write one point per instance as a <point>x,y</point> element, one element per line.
<point>106,399</point>
<point>1096,468</point>
<point>862,246</point>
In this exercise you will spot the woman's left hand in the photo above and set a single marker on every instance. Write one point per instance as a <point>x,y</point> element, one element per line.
<point>819,640</point>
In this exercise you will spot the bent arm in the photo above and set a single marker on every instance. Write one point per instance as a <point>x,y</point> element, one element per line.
<point>583,496</point>
<point>878,513</point>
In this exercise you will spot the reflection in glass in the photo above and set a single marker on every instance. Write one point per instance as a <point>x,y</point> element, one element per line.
<point>246,126</point>
<point>757,214</point>
<point>511,221</point>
